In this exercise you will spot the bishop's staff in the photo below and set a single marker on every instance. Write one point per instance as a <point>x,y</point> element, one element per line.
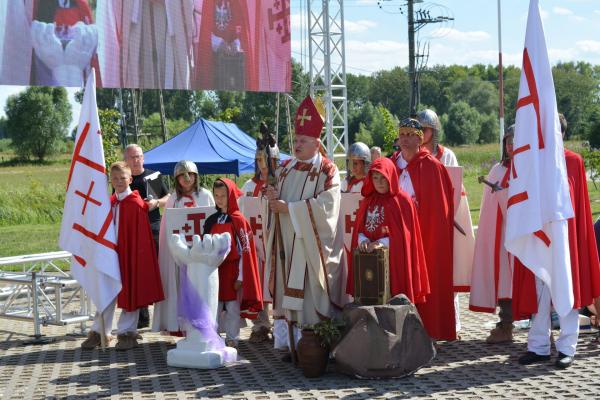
<point>265,145</point>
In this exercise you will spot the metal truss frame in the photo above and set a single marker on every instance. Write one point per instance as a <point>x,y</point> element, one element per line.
<point>327,68</point>
<point>41,292</point>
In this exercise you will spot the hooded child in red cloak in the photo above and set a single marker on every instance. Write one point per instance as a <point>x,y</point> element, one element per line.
<point>238,274</point>
<point>387,217</point>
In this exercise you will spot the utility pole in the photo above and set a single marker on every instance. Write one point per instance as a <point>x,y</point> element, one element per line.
<point>412,73</point>
<point>416,20</point>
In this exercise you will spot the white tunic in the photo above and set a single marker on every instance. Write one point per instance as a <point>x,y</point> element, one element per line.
<point>404,179</point>
<point>356,188</point>
<point>165,312</point>
<point>492,264</point>
<point>464,246</point>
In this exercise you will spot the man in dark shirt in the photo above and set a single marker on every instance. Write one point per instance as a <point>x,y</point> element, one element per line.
<point>155,194</point>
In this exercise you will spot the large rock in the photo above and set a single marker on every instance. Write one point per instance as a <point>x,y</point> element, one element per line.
<point>383,341</point>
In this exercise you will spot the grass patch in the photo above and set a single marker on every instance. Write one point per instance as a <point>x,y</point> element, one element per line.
<point>32,194</point>
<point>28,239</point>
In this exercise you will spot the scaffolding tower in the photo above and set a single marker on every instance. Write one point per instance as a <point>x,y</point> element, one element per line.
<point>327,69</point>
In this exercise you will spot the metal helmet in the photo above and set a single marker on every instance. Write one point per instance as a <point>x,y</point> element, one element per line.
<point>429,119</point>
<point>185,167</point>
<point>360,151</point>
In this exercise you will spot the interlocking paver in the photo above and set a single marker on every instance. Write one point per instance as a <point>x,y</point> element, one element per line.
<point>466,369</point>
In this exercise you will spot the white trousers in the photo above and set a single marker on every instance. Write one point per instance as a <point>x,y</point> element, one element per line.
<point>457,311</point>
<point>228,317</point>
<point>262,321</point>
<point>281,336</point>
<point>538,340</point>
<point>127,321</point>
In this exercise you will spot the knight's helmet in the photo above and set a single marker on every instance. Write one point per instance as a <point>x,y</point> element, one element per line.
<point>360,151</point>
<point>509,133</point>
<point>185,168</point>
<point>429,119</point>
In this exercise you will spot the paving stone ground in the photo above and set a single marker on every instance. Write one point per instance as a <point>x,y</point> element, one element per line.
<point>465,369</point>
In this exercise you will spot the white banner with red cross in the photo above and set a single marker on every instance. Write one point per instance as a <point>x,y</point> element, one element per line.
<point>188,221</point>
<point>87,229</point>
<point>539,202</point>
<point>253,211</point>
<point>348,209</point>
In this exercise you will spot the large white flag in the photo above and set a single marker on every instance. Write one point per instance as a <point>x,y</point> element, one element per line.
<point>539,203</point>
<point>87,230</point>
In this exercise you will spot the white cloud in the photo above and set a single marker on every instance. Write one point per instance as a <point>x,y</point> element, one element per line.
<point>452,34</point>
<point>359,26</point>
<point>364,57</point>
<point>561,11</point>
<point>597,12</point>
<point>589,46</point>
<point>577,18</point>
<point>295,21</point>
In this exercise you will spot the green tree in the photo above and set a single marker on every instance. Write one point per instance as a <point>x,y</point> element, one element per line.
<point>38,121</point>
<point>110,128</point>
<point>577,91</point>
<point>464,124</point>
<point>391,128</point>
<point>490,129</point>
<point>364,135</point>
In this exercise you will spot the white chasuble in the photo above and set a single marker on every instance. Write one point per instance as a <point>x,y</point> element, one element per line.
<point>307,279</point>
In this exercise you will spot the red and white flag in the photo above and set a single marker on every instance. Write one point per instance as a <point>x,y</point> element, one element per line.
<point>273,41</point>
<point>539,203</point>
<point>87,229</point>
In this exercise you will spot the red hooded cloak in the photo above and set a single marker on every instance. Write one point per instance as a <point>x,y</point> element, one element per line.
<point>408,272</point>
<point>241,233</point>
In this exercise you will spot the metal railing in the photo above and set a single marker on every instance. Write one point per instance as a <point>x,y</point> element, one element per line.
<point>34,288</point>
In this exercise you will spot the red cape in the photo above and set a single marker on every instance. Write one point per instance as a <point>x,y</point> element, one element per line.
<point>408,272</point>
<point>140,275</point>
<point>237,28</point>
<point>435,208</point>
<point>585,269</point>
<point>252,299</point>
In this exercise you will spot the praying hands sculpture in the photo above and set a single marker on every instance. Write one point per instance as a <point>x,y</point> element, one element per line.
<point>198,302</point>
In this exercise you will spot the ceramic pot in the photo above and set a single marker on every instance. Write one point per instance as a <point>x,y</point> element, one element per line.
<point>312,357</point>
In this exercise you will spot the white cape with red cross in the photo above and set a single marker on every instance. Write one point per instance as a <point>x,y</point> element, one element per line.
<point>87,229</point>
<point>539,203</point>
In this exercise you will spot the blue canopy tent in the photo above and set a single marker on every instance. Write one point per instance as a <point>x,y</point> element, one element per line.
<point>215,147</point>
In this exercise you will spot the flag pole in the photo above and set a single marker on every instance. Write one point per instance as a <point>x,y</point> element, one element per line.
<point>500,77</point>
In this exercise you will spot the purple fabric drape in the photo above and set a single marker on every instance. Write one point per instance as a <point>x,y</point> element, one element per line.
<point>193,309</point>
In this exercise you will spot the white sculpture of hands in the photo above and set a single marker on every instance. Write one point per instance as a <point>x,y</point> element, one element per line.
<point>66,63</point>
<point>202,261</point>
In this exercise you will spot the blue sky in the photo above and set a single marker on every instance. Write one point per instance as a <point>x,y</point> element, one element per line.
<point>376,38</point>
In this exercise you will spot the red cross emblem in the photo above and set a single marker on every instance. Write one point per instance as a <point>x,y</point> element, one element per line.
<point>87,197</point>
